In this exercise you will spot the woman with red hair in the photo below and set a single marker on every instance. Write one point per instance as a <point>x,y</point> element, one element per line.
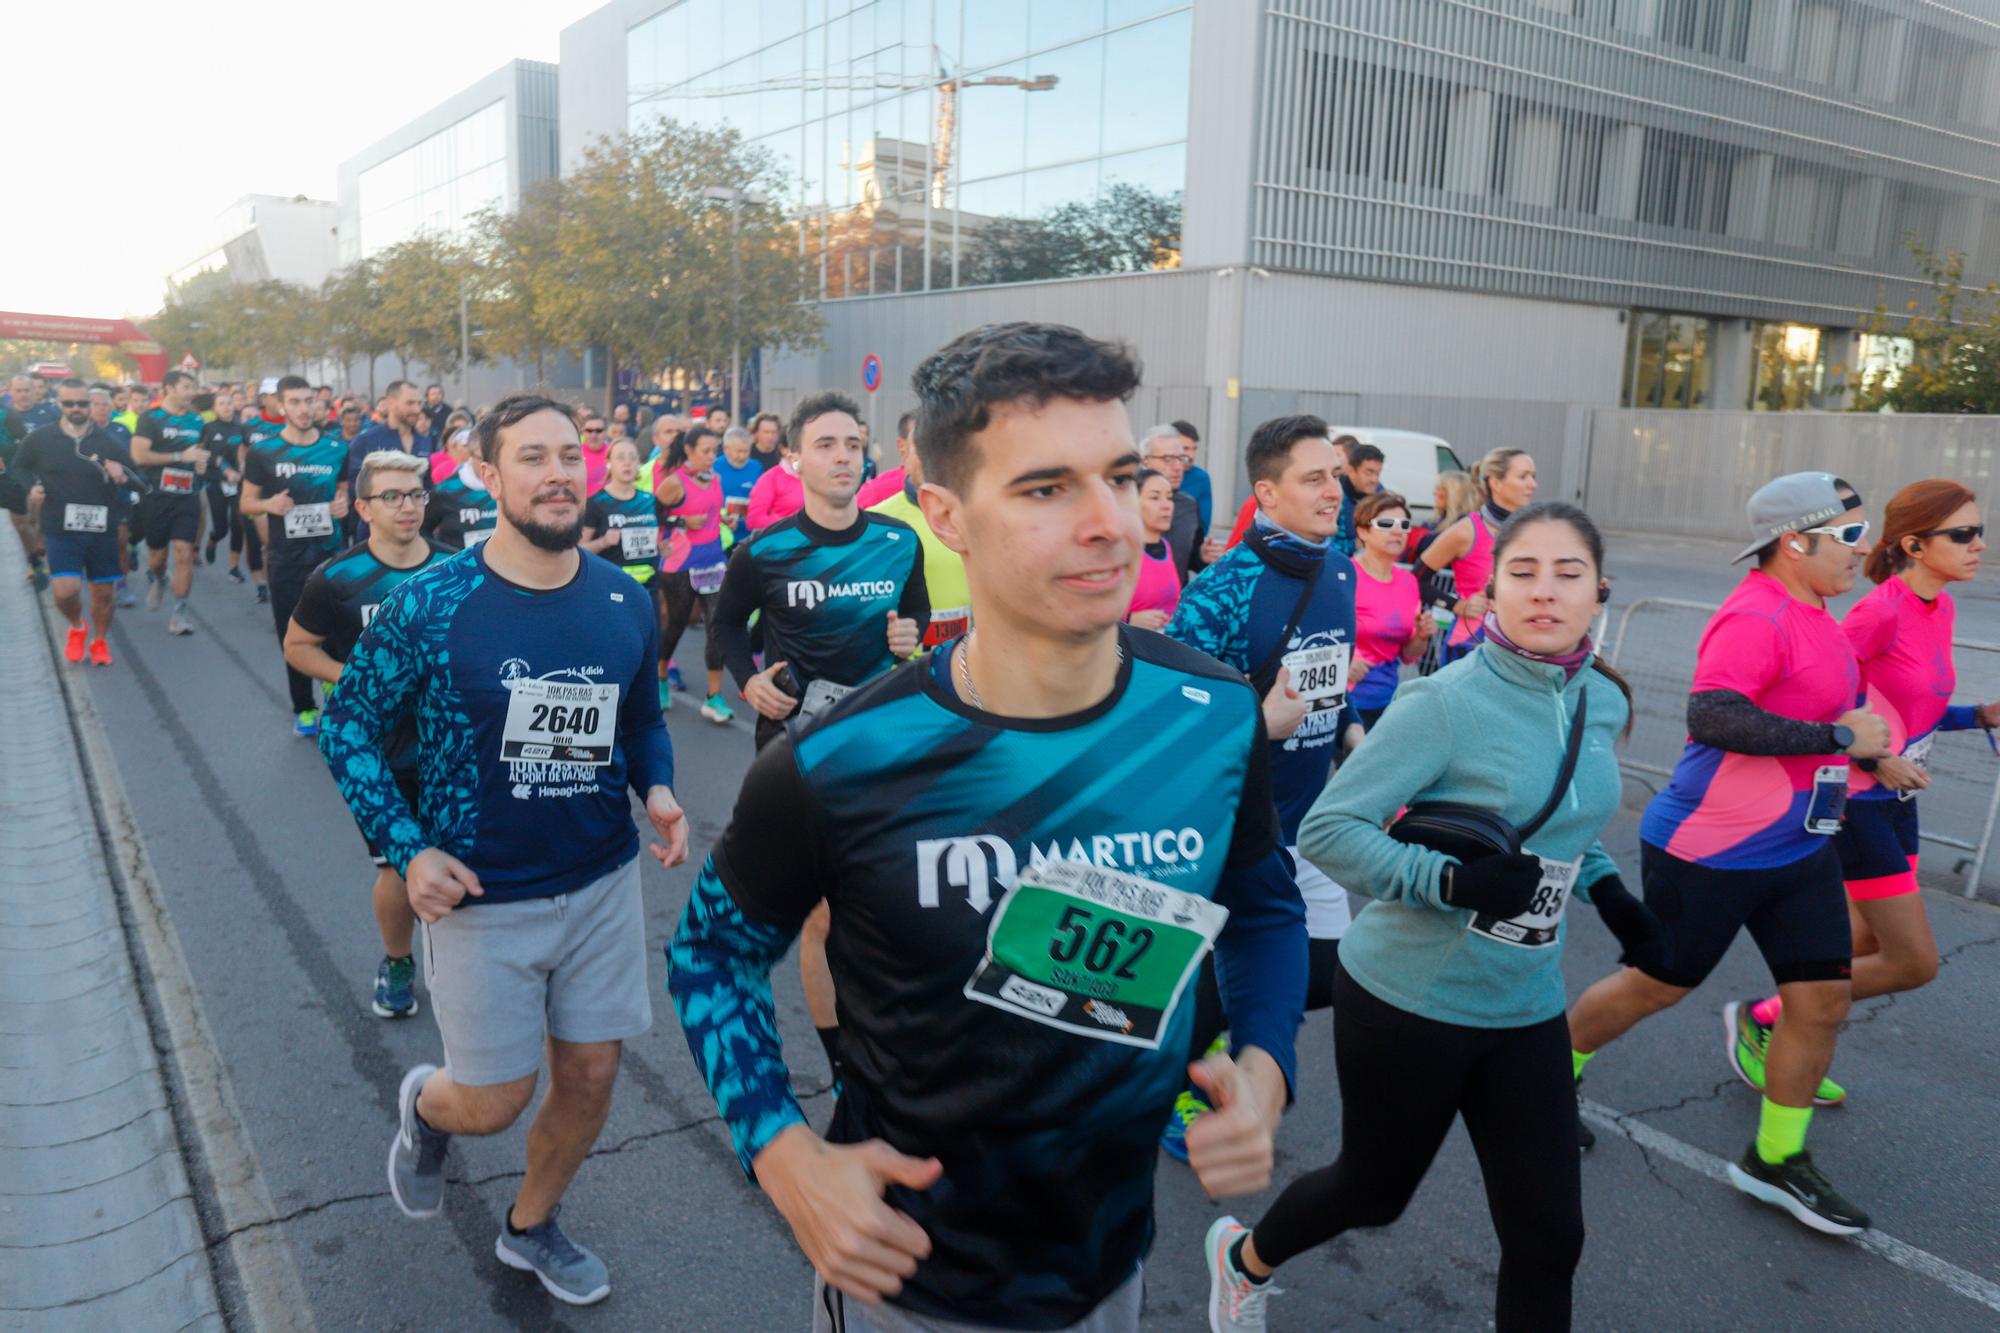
<point>1932,536</point>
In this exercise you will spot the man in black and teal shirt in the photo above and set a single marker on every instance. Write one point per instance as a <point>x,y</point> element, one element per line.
<point>167,447</point>
<point>841,591</point>
<point>1021,900</point>
<point>842,599</point>
<point>298,481</point>
<point>338,601</point>
<point>223,438</point>
<point>462,512</point>
<point>1279,607</point>
<point>530,670</point>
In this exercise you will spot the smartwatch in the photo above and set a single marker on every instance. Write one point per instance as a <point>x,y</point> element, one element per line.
<point>1843,737</point>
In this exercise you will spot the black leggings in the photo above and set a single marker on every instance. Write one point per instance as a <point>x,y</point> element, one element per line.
<point>681,598</point>
<point>288,580</point>
<point>1323,960</point>
<point>1403,1080</point>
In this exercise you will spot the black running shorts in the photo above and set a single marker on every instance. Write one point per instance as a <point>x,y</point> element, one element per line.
<point>1797,913</point>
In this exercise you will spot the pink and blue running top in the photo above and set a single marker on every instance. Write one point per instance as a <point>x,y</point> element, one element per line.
<point>1743,811</point>
<point>1470,574</point>
<point>1385,615</point>
<point>1904,647</point>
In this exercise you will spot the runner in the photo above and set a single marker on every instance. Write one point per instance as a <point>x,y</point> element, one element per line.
<point>462,512</point>
<point>14,430</point>
<point>298,481</point>
<point>1932,537</point>
<point>883,485</point>
<point>944,569</point>
<point>1013,1137</point>
<point>401,430</point>
<point>1390,626</point>
<point>1157,591</point>
<point>335,606</point>
<point>1195,480</point>
<point>1360,477</point>
<point>223,438</point>
<point>1449,994</point>
<point>530,671</point>
<point>691,494</point>
<point>1280,609</point>
<point>76,474</point>
<point>1742,835</point>
<point>818,582</point>
<point>596,451</point>
<point>622,523</point>
<point>167,448</point>
<point>777,494</point>
<point>1165,452</point>
<point>1465,549</point>
<point>739,473</point>
<point>104,415</point>
<point>767,439</point>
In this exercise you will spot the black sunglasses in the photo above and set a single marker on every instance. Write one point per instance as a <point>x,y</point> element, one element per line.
<point>1964,536</point>
<point>74,402</point>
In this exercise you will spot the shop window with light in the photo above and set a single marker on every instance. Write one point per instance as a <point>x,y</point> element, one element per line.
<point>1791,368</point>
<point>1669,360</point>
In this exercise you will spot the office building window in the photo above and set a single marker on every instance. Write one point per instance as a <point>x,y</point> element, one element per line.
<point>1669,360</point>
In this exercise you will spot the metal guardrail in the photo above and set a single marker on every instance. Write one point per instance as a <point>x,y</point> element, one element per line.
<point>1659,665</point>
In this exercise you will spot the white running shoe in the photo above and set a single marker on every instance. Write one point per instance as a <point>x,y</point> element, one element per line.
<point>1235,1303</point>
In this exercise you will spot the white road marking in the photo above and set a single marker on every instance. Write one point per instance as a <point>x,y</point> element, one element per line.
<point>1900,1253</point>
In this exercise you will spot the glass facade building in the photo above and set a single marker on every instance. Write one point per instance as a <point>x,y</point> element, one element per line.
<point>933,144</point>
<point>437,184</point>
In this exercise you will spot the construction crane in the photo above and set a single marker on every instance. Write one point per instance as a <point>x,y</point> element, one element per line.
<point>944,139</point>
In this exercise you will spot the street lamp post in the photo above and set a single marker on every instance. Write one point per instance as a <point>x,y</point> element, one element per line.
<point>735,198</point>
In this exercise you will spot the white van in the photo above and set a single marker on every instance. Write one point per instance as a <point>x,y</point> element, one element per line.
<point>1411,462</point>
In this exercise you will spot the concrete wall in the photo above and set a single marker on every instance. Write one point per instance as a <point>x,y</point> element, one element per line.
<point>1228,347</point>
<point>592,56</point>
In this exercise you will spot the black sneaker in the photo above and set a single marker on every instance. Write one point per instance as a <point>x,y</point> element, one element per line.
<point>1586,1137</point>
<point>1797,1186</point>
<point>263,595</point>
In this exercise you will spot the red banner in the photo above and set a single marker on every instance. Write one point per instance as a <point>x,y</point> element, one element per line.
<point>119,333</point>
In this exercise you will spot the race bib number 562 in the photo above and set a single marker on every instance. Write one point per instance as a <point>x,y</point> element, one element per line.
<point>1094,952</point>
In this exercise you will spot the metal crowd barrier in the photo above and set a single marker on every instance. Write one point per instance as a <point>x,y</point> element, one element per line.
<point>1653,648</point>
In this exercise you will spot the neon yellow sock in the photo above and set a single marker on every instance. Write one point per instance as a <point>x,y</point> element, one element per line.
<point>1577,1060</point>
<point>1781,1131</point>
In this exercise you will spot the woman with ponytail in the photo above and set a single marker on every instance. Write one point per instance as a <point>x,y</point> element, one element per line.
<point>1932,537</point>
<point>1454,569</point>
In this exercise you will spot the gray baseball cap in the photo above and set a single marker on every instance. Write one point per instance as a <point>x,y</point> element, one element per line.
<point>1792,503</point>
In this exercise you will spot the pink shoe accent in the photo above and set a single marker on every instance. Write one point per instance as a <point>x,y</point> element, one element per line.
<point>1767,1011</point>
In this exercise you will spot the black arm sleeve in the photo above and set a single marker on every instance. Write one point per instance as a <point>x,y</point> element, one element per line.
<point>1257,826</point>
<point>1438,586</point>
<point>775,880</point>
<point>916,603</point>
<point>1729,721</point>
<point>734,606</point>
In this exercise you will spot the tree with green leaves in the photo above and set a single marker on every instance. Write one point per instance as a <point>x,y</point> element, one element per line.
<point>1954,363</point>
<point>418,285</point>
<point>643,265</point>
<point>1127,229</point>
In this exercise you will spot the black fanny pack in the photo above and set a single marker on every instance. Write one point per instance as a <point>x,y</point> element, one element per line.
<point>1467,833</point>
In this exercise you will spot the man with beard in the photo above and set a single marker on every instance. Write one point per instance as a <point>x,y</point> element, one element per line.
<point>530,671</point>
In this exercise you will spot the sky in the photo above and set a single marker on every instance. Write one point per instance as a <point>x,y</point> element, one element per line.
<point>193,106</point>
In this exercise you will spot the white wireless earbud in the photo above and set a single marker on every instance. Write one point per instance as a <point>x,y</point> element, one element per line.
<point>1796,547</point>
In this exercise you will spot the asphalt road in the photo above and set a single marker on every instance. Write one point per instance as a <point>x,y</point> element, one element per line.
<point>267,883</point>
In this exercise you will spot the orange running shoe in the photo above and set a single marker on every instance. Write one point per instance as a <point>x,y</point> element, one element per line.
<point>100,652</point>
<point>73,649</point>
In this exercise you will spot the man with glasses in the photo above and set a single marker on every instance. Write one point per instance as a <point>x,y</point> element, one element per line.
<point>76,473</point>
<point>1743,834</point>
<point>403,429</point>
<point>596,452</point>
<point>1166,454</point>
<point>298,481</point>
<point>336,604</point>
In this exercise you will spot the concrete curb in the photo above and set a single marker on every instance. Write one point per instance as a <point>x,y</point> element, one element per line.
<point>223,1159</point>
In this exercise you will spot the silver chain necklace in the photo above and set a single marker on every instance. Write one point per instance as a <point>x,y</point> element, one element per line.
<point>965,669</point>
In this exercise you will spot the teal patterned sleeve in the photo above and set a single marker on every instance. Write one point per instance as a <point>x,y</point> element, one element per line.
<point>719,975</point>
<point>376,685</point>
<point>1214,612</point>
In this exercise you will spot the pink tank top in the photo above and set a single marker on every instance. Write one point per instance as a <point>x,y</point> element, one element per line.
<point>1159,585</point>
<point>1471,572</point>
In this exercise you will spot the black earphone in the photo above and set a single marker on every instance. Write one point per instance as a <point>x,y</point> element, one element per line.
<point>1603,592</point>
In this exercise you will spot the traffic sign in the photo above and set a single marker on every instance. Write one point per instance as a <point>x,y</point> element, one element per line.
<point>189,362</point>
<point>871,372</point>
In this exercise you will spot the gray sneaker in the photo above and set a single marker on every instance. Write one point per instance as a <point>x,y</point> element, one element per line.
<point>571,1273</point>
<point>156,591</point>
<point>416,1155</point>
<point>180,622</point>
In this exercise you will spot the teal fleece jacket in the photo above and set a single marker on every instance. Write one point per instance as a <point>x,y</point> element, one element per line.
<point>1488,730</point>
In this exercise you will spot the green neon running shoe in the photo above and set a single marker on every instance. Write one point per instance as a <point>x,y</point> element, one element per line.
<point>1747,1043</point>
<point>1188,1108</point>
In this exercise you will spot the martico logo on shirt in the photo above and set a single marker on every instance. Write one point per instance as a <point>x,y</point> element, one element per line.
<point>979,864</point>
<point>809,593</point>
